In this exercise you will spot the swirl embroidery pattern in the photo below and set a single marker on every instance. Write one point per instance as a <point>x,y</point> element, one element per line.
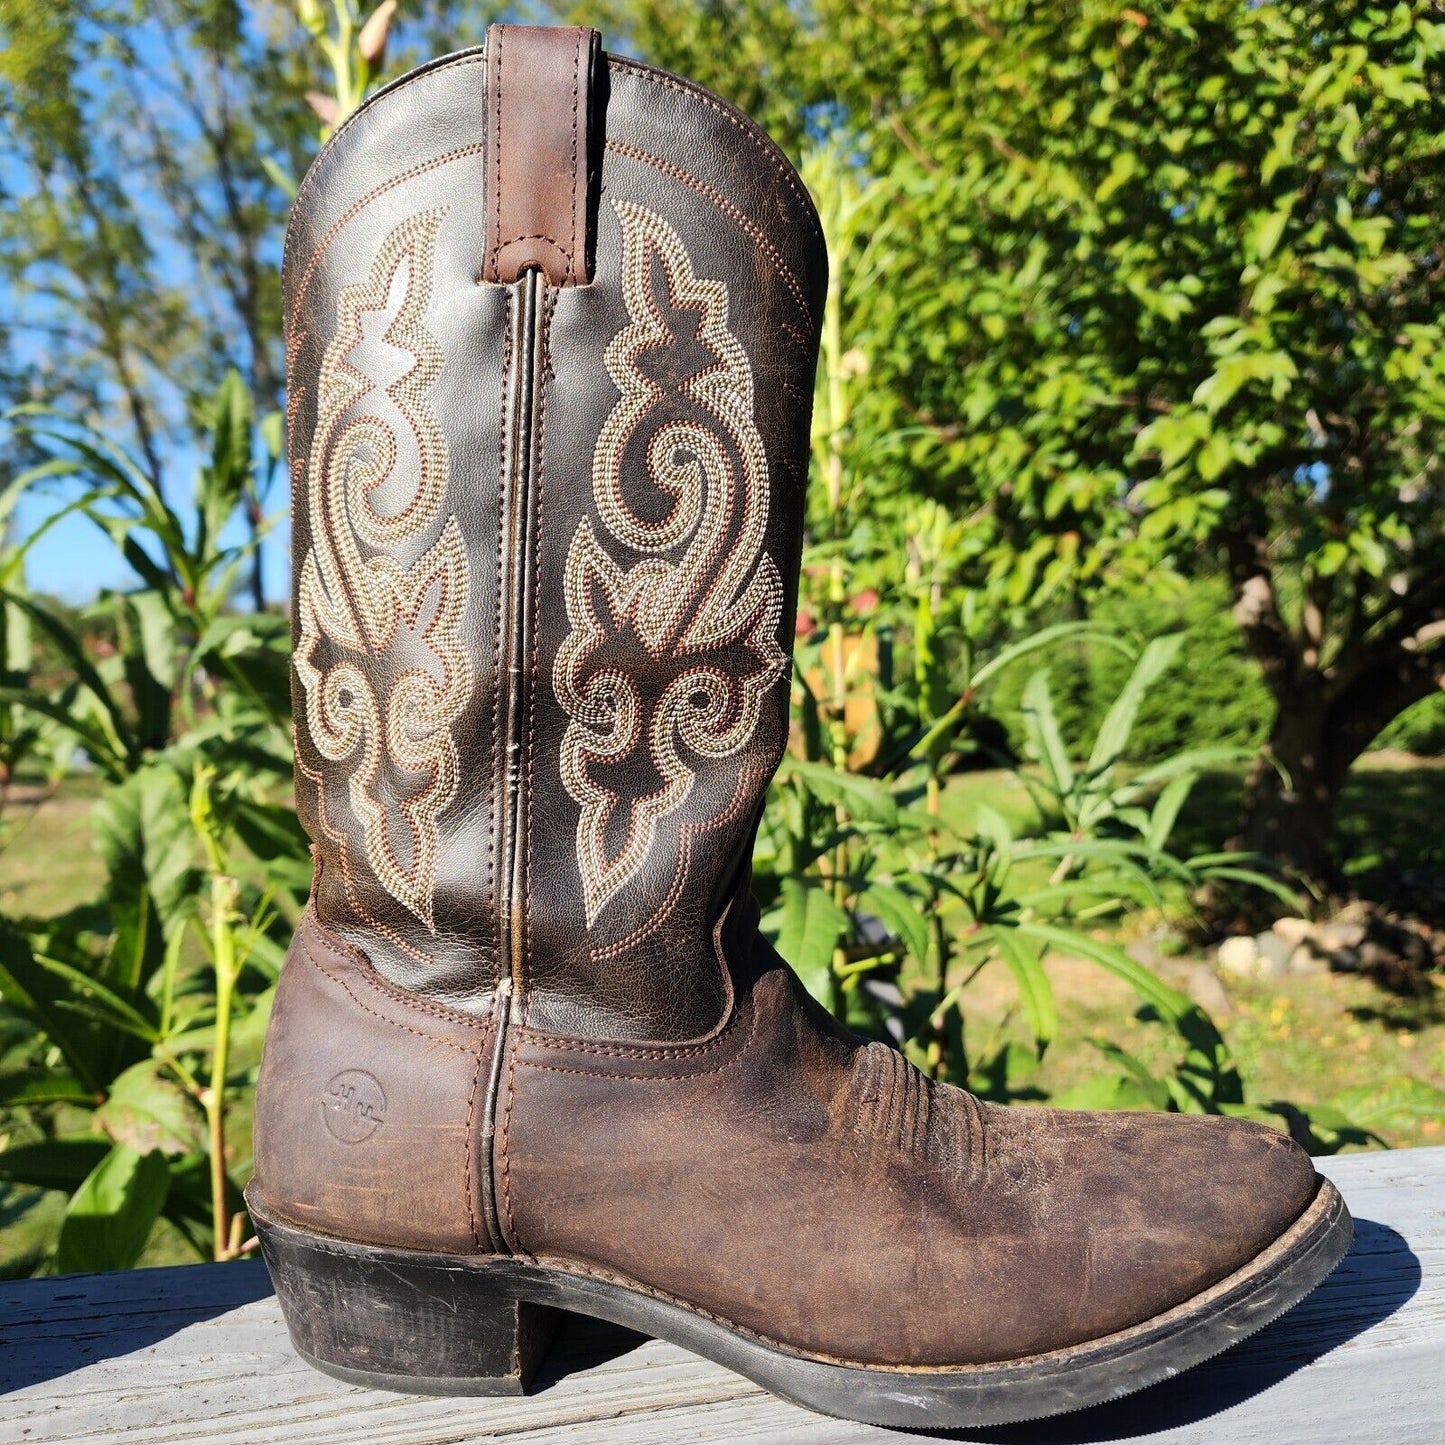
<point>669,658</point>
<point>379,653</point>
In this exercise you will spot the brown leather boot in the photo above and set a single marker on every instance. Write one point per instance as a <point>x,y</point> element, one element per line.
<point>552,324</point>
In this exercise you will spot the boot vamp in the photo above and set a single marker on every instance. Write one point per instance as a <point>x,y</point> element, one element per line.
<point>825,1195</point>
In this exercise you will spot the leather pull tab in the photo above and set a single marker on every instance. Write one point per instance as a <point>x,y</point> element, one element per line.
<point>539,110</point>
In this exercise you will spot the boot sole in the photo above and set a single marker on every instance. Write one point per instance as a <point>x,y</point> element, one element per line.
<point>440,1324</point>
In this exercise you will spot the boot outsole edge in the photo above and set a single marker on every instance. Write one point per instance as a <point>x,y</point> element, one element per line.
<point>438,1324</point>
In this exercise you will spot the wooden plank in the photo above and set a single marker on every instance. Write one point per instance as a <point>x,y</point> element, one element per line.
<point>199,1354</point>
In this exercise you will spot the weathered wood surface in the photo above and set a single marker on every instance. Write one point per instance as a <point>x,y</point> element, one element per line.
<point>199,1354</point>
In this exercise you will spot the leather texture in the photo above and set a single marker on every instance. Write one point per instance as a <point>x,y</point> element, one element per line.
<point>546,544</point>
<point>788,1179</point>
<point>369,1104</point>
<point>663,410</point>
<point>539,152</point>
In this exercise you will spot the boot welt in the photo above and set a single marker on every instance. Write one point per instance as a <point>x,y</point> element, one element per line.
<point>440,1324</point>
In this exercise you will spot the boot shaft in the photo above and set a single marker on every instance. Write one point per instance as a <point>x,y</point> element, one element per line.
<point>552,321</point>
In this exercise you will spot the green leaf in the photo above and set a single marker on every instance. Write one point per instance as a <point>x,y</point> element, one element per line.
<point>34,992</point>
<point>865,800</point>
<point>1042,726</point>
<point>269,830</point>
<point>157,630</point>
<point>143,832</point>
<point>111,1215</point>
<point>148,1111</point>
<point>1148,985</point>
<point>812,927</point>
<point>1036,992</point>
<point>1166,810</point>
<point>1118,722</point>
<point>903,915</point>
<point>42,1086</point>
<point>77,658</point>
<point>223,482</point>
<point>53,1163</point>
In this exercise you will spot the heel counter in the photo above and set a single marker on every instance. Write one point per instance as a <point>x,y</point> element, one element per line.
<point>368,1105</point>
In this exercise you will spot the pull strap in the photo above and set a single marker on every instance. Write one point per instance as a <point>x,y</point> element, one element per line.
<point>539,115</point>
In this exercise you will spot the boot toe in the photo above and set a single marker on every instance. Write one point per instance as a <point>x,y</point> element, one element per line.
<point>1160,1206</point>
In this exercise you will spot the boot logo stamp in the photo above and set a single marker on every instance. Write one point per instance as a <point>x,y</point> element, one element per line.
<point>383,588</point>
<point>672,583</point>
<point>354,1106</point>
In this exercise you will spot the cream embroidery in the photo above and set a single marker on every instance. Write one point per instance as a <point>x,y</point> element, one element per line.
<point>698,613</point>
<point>396,676</point>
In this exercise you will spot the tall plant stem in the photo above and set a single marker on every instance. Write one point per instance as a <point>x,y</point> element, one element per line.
<point>223,946</point>
<point>832,466</point>
<point>225,893</point>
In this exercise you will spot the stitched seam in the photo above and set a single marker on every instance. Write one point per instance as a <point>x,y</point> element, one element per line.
<point>469,1144</point>
<point>495,74</point>
<point>747,129</point>
<point>716,1068</point>
<point>739,217</point>
<point>493,877</point>
<point>317,779</point>
<point>512,1240</point>
<point>643,933</point>
<point>309,181</point>
<point>529,601</point>
<point>376,1013</point>
<point>576,87</point>
<point>768,148</point>
<point>384,986</point>
<point>411,173</point>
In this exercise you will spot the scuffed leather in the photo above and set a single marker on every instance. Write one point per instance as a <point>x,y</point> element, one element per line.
<point>668,1107</point>
<point>821,1192</point>
<point>539,151</point>
<point>416,1179</point>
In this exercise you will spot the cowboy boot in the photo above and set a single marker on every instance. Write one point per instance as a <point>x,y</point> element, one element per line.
<point>552,320</point>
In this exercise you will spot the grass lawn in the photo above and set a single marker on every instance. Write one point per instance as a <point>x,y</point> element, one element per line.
<point>1320,1040</point>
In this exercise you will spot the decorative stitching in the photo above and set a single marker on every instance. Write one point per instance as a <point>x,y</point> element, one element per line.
<point>723,593</point>
<point>735,118</point>
<point>740,218</point>
<point>411,173</point>
<point>749,129</point>
<point>359,591</point>
<point>725,1063</point>
<point>309,181</point>
<point>343,858</point>
<point>379,983</point>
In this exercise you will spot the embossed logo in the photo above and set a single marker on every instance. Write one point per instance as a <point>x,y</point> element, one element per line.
<point>354,1106</point>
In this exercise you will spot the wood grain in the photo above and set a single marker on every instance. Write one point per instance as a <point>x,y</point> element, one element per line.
<point>199,1354</point>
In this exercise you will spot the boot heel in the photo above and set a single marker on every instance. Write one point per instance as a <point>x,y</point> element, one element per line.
<point>401,1320</point>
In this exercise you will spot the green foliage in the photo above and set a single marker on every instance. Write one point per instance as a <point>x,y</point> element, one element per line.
<point>1156,284</point>
<point>132,1003</point>
<point>1213,697</point>
<point>1419,729</point>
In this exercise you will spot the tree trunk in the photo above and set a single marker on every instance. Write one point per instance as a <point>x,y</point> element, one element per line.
<point>1289,817</point>
<point>1294,787</point>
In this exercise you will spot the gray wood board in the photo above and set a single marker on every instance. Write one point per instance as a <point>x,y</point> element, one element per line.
<point>199,1353</point>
